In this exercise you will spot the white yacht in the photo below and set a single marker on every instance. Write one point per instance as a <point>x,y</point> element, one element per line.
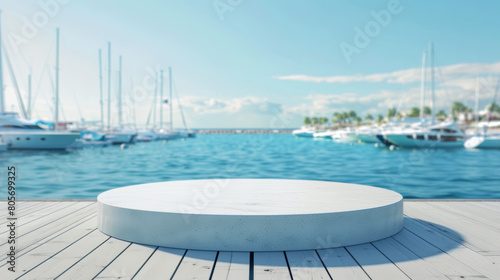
<point>323,134</point>
<point>443,135</point>
<point>28,135</point>
<point>367,134</point>
<point>304,132</point>
<point>345,135</point>
<point>119,137</point>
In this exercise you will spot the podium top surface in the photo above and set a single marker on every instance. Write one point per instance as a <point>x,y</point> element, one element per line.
<point>249,197</point>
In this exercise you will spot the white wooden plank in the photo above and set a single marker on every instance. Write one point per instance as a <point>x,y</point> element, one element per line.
<point>474,234</point>
<point>21,207</point>
<point>128,263</point>
<point>31,258</point>
<point>232,265</point>
<point>93,263</point>
<point>494,205</point>
<point>306,265</point>
<point>58,263</point>
<point>270,265</point>
<point>376,265</point>
<point>493,208</point>
<point>473,259</point>
<point>164,262</point>
<point>411,264</point>
<point>196,265</point>
<point>50,228</point>
<point>470,213</point>
<point>495,260</point>
<point>341,265</point>
<point>445,263</point>
<point>32,219</point>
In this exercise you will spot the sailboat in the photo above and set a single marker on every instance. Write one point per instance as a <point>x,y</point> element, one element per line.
<point>443,135</point>
<point>484,140</point>
<point>25,134</point>
<point>118,135</point>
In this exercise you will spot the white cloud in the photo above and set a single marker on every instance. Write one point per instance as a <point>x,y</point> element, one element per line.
<point>450,72</point>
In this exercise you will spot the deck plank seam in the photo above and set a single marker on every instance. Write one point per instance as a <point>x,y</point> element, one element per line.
<point>288,265</point>
<point>442,252</point>
<point>51,223</point>
<point>359,265</point>
<point>27,223</point>
<point>446,208</point>
<point>137,272</point>
<point>214,265</point>
<point>90,252</point>
<point>251,265</point>
<point>387,257</point>
<point>178,265</point>
<point>42,262</point>
<point>72,226</point>
<point>323,263</point>
<point>31,205</point>
<point>44,239</point>
<point>117,256</point>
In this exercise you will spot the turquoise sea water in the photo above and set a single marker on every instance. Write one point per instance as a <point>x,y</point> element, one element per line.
<point>456,173</point>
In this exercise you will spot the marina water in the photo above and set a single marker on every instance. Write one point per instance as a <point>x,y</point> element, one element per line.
<point>415,173</point>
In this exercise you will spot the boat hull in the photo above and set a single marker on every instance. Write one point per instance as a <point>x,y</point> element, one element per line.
<point>367,138</point>
<point>404,141</point>
<point>118,138</point>
<point>39,140</point>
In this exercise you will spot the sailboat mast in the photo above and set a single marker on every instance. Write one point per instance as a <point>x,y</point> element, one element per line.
<point>422,87</point>
<point>154,100</point>
<point>161,99</point>
<point>109,86</point>
<point>29,95</point>
<point>56,119</point>
<point>170,101</point>
<point>100,89</point>
<point>2,101</point>
<point>476,104</point>
<point>432,83</point>
<point>120,94</point>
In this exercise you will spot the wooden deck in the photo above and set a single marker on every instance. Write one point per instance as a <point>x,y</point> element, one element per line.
<point>441,240</point>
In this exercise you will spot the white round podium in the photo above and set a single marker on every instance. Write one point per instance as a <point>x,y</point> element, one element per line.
<point>250,214</point>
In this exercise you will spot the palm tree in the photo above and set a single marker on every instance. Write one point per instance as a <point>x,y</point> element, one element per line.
<point>315,121</point>
<point>352,115</point>
<point>391,112</point>
<point>427,111</point>
<point>493,107</point>
<point>345,116</point>
<point>338,117</point>
<point>399,116</point>
<point>441,114</point>
<point>369,117</point>
<point>357,120</point>
<point>307,121</point>
<point>415,112</point>
<point>380,118</point>
<point>458,108</point>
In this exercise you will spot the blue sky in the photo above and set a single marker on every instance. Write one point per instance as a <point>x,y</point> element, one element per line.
<point>240,63</point>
